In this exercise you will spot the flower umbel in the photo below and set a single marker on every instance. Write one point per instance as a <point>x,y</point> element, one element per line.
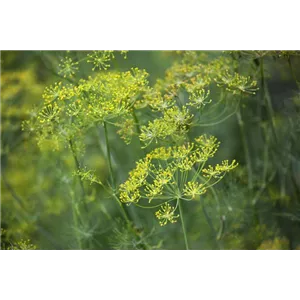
<point>68,67</point>
<point>193,189</point>
<point>236,83</point>
<point>100,59</point>
<point>166,214</point>
<point>199,98</point>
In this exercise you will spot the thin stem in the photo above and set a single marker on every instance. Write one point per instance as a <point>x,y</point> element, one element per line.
<point>78,169</point>
<point>283,173</point>
<point>210,224</point>
<point>75,220</point>
<point>267,99</point>
<point>211,111</point>
<point>246,148</point>
<point>266,157</point>
<point>108,152</point>
<point>137,124</point>
<point>52,70</point>
<point>154,205</point>
<point>138,129</point>
<point>124,211</point>
<point>218,122</point>
<point>262,188</point>
<point>183,225</point>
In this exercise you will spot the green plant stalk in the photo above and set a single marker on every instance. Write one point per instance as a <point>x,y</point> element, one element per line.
<point>75,220</point>
<point>183,225</point>
<point>108,154</point>
<point>210,224</point>
<point>267,99</point>
<point>138,129</point>
<point>283,174</point>
<point>80,180</point>
<point>124,211</point>
<point>265,169</point>
<point>246,148</point>
<point>266,158</point>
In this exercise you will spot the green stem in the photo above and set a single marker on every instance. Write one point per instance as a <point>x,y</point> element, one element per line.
<point>246,148</point>
<point>266,157</point>
<point>138,129</point>
<point>137,124</point>
<point>124,211</point>
<point>75,220</point>
<point>267,99</point>
<point>183,225</point>
<point>78,169</point>
<point>108,152</point>
<point>210,224</point>
<point>215,123</point>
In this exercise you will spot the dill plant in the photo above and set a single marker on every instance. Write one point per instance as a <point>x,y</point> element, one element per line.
<point>169,130</point>
<point>72,109</point>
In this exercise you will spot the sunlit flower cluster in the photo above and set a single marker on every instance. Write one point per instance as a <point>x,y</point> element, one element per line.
<point>72,108</point>
<point>172,173</point>
<point>174,123</point>
<point>166,214</point>
<point>236,83</point>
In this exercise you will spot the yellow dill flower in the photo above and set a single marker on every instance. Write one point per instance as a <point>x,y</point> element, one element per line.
<point>166,214</point>
<point>100,59</point>
<point>142,168</point>
<point>208,145</point>
<point>184,164</point>
<point>182,151</point>
<point>49,113</point>
<point>74,109</point>
<point>68,67</point>
<point>180,117</point>
<point>193,189</point>
<point>164,176</point>
<point>124,53</point>
<point>22,245</point>
<point>236,83</point>
<point>199,98</point>
<point>219,170</point>
<point>87,175</point>
<point>130,197</point>
<point>153,190</point>
<point>127,130</point>
<point>52,93</point>
<point>162,153</point>
<point>174,123</point>
<point>164,172</point>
